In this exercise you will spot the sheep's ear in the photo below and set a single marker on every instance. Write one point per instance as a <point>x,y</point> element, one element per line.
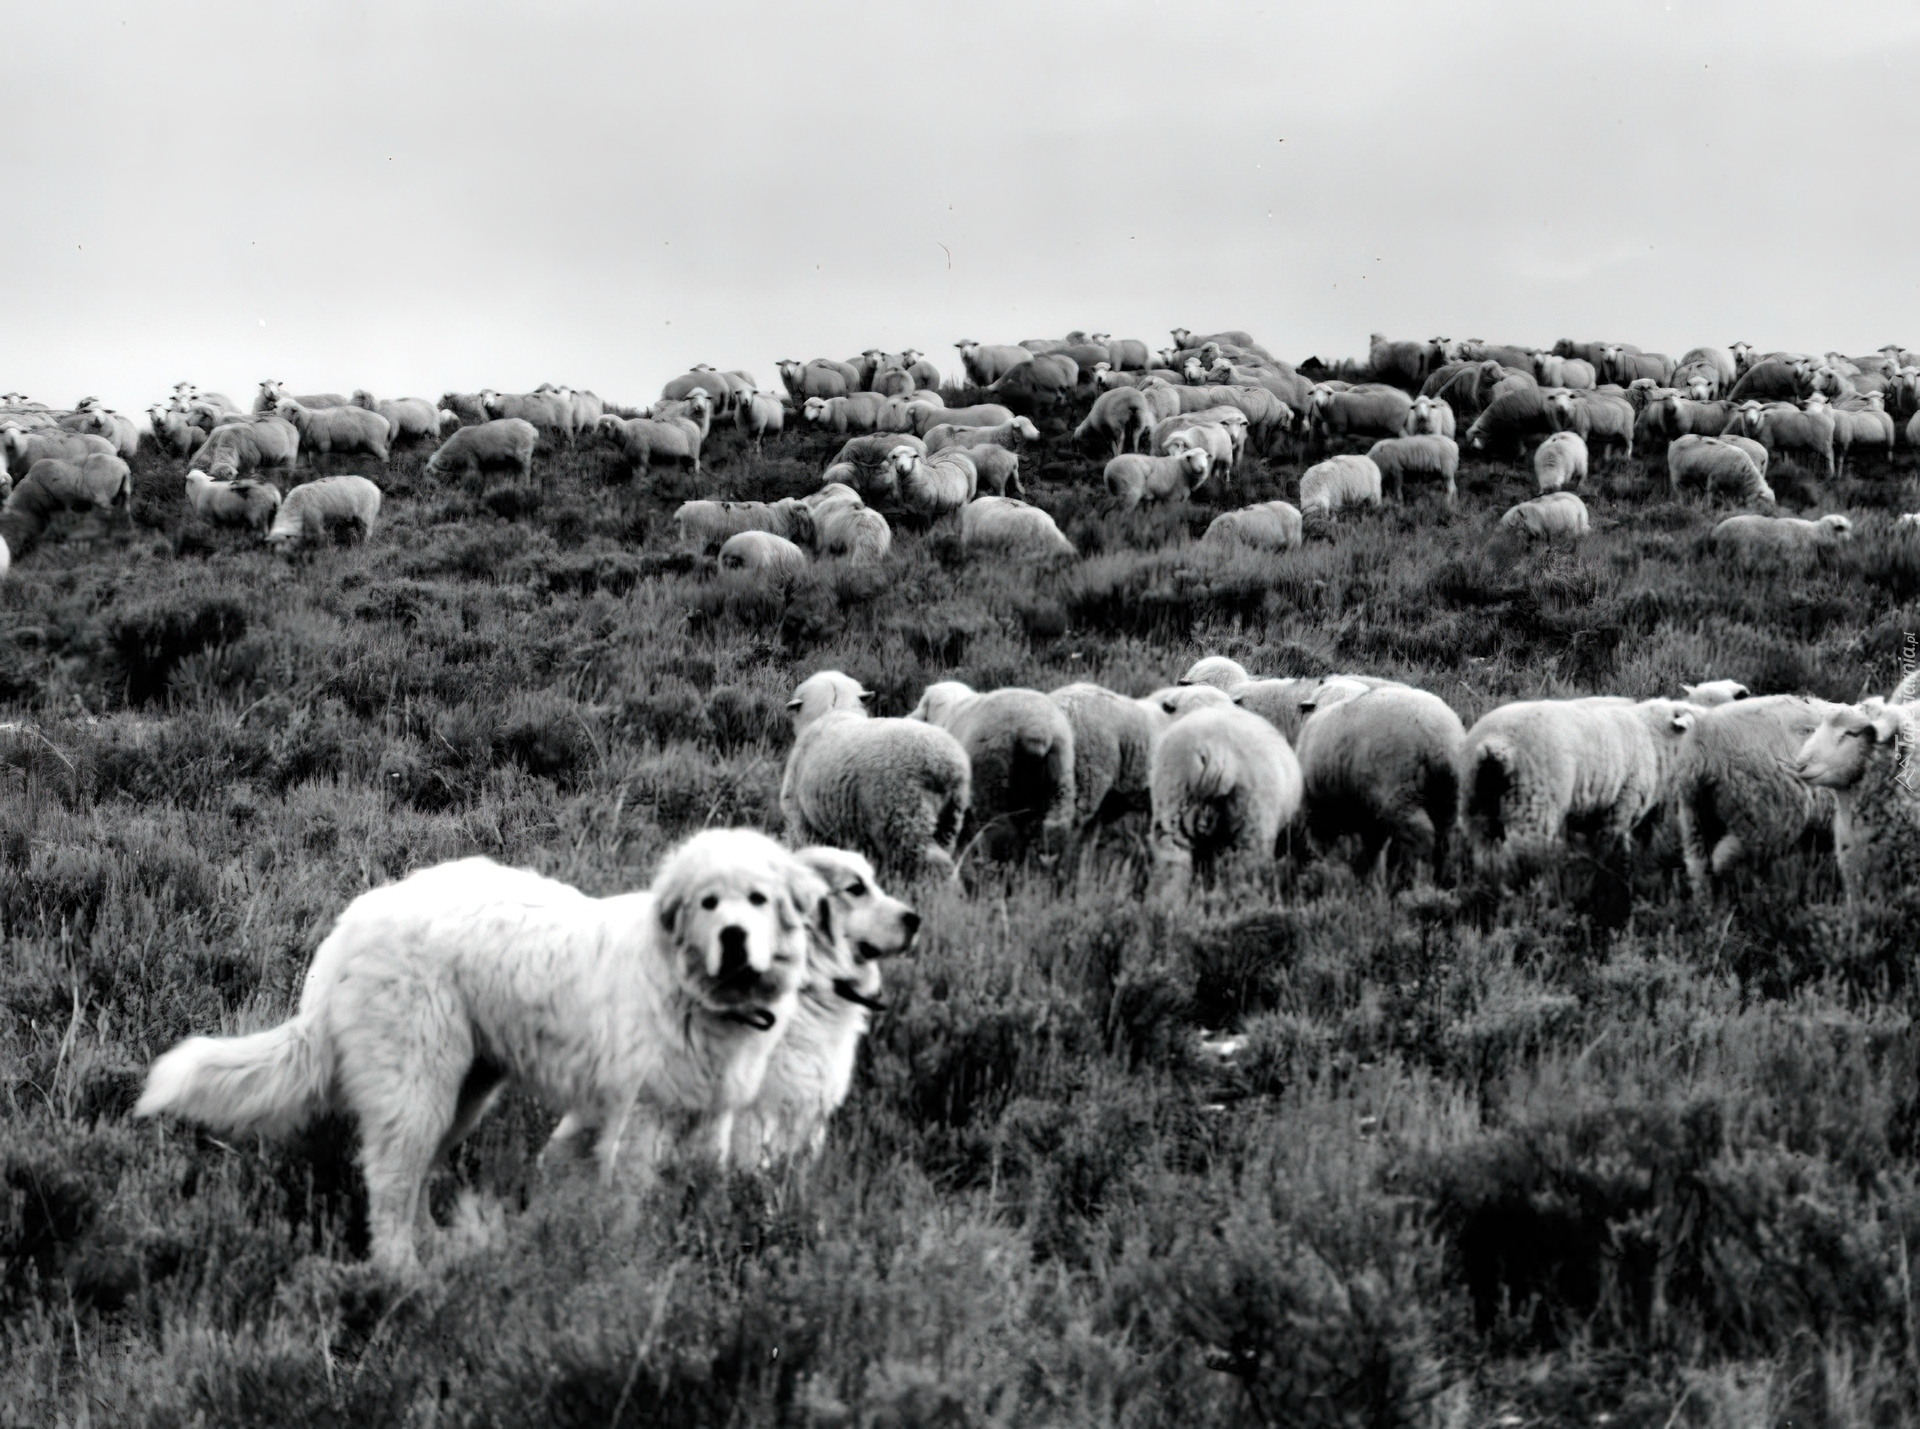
<point>1682,721</point>
<point>793,705</point>
<point>866,698</point>
<point>1742,693</point>
<point>1688,690</point>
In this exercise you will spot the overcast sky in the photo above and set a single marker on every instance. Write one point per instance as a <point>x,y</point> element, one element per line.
<point>417,197</point>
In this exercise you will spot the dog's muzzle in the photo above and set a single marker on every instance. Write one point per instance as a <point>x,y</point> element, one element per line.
<point>850,990</point>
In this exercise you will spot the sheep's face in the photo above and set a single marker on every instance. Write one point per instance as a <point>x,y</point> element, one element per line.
<point>1560,407</point>
<point>815,410</point>
<point>1197,463</point>
<point>901,459</point>
<point>940,701</point>
<point>1836,754</point>
<point>699,403</point>
<point>1193,371</point>
<point>1838,528</point>
<point>1699,388</point>
<point>1181,336</point>
<point>1025,430</point>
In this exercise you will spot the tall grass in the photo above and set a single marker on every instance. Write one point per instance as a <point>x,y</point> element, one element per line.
<point>1582,1150</point>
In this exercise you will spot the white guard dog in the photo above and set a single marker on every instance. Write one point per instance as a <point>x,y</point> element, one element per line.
<point>656,1012</point>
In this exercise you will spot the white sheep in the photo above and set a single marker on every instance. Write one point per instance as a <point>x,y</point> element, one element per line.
<point>936,485</point>
<point>345,429</point>
<point>1010,434</point>
<point>701,524</point>
<point>1119,417</point>
<point>1557,515</point>
<point>1219,671</point>
<point>928,415</point>
<point>1337,483</point>
<point>250,504</point>
<point>549,412</point>
<point>644,440</point>
<point>1715,461</point>
<point>1019,748</point>
<point>1865,754</point>
<point>762,551</point>
<point>331,503</point>
<point>999,523</point>
<point>998,469</point>
<point>1112,753</point>
<point>1174,437</point>
<point>1397,457</point>
<point>1269,526</point>
<point>408,418</point>
<point>856,412</point>
<point>24,448</point>
<point>504,442</point>
<point>1380,766</point>
<point>98,481</point>
<point>1732,785</point>
<point>1709,694</point>
<point>758,416</point>
<point>895,790</point>
<point>173,434</point>
<point>1225,783</point>
<point>1429,416</point>
<point>854,530</point>
<point>236,448</point>
<point>1560,461</point>
<point>1132,478</point>
<point>1171,703</point>
<point>1755,538</point>
<point>1783,427</point>
<point>1528,768</point>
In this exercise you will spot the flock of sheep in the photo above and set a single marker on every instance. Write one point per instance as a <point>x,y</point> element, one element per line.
<point>1225,764</point>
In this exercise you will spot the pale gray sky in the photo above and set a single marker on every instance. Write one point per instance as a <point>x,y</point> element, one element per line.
<point>414,197</point>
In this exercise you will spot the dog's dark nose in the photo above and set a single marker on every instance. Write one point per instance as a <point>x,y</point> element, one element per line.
<point>733,951</point>
<point>912,921</point>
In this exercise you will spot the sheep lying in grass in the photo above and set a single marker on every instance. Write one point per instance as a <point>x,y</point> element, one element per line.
<point>1560,461</point>
<point>933,486</point>
<point>98,481</point>
<point>507,442</point>
<point>1530,768</point>
<point>250,504</point>
<point>328,505</point>
<point>703,524</point>
<point>999,523</point>
<point>1269,526</point>
<point>1559,515</point>
<point>758,416</point>
<point>762,551</point>
<point>1225,784</point>
<point>1019,747</point>
<point>408,418</point>
<point>1865,754</point>
<point>346,430</point>
<point>1132,479</point>
<point>1337,483</point>
<point>1715,461</point>
<point>1430,456</point>
<point>1381,766</point>
<point>1112,753</point>
<point>1732,785</point>
<point>1755,538</point>
<point>895,790</point>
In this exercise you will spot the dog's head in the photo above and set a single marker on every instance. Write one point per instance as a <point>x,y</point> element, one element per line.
<point>740,911</point>
<point>866,924</point>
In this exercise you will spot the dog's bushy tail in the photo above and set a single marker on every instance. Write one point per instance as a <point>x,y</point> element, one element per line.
<point>273,1082</point>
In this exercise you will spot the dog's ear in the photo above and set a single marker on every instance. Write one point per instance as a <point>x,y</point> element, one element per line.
<point>806,898</point>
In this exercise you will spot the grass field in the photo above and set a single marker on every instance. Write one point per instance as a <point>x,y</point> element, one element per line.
<point>1581,1154</point>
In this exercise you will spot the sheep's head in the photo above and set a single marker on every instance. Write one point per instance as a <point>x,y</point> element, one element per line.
<point>1839,527</point>
<point>824,692</point>
<point>1025,430</point>
<point>1182,337</point>
<point>1543,363</point>
<point>700,402</point>
<point>1837,753</point>
<point>1560,407</point>
<point>815,410</point>
<point>967,346</point>
<point>901,460</point>
<point>1699,387</point>
<point>1193,371</point>
<point>909,356</point>
<point>1197,462</point>
<point>1709,693</point>
<point>940,700</point>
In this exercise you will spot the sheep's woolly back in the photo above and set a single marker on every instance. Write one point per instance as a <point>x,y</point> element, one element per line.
<point>1224,782</point>
<point>1382,765</point>
<point>308,510</point>
<point>1112,750</point>
<point>1339,482</point>
<point>893,789</point>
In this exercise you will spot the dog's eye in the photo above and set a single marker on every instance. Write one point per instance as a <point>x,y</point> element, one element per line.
<point>858,890</point>
<point>756,899</point>
<point>710,902</point>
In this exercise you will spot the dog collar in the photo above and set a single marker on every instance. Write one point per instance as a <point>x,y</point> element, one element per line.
<point>850,990</point>
<point>760,1019</point>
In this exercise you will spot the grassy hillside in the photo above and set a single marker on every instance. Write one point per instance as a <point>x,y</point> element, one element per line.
<point>1582,1154</point>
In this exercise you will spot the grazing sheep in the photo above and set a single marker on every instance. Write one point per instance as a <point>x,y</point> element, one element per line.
<point>1019,746</point>
<point>998,468</point>
<point>1560,461</point>
<point>701,524</point>
<point>469,407</point>
<point>1269,526</point>
<point>250,504</point>
<point>1403,364</point>
<point>1509,419</point>
<point>98,480</point>
<point>1131,478</point>
<point>1782,427</point>
<point>999,523</point>
<point>1711,462</point>
<point>408,418</point>
<point>1112,753</point>
<point>342,429</point>
<point>1382,765</point>
<point>1732,785</point>
<point>550,413</point>
<point>936,485</point>
<point>24,448</point>
<point>762,551</point>
<point>645,441</point>
<point>927,415</point>
<point>1429,416</point>
<point>1709,694</point>
<point>1865,754</point>
<point>327,505</point>
<point>240,447</point>
<point>759,415</point>
<point>1368,411</point>
<point>1557,514</point>
<point>1225,784</point>
<point>986,365</point>
<point>1422,456</point>
<point>713,383</point>
<point>23,520</point>
<point>1284,704</point>
<point>851,529</point>
<point>1754,538</point>
<point>1337,483</point>
<point>1218,671</point>
<point>1011,434</point>
<point>1531,770</point>
<point>1599,418</point>
<point>508,441</point>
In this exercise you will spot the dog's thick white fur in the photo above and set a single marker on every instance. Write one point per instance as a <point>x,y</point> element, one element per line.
<point>655,1012</point>
<point>811,1070</point>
